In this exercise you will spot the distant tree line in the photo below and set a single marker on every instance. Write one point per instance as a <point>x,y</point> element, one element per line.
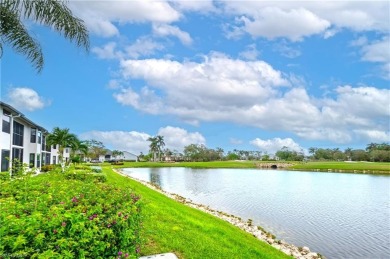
<point>374,152</point>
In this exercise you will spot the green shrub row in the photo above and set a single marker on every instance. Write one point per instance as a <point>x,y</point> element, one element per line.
<point>85,176</point>
<point>57,215</point>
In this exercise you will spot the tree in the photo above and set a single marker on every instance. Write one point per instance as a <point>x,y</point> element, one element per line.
<point>156,145</point>
<point>63,139</point>
<point>95,148</point>
<point>52,13</point>
<point>153,146</point>
<point>160,145</point>
<point>116,153</point>
<point>78,148</point>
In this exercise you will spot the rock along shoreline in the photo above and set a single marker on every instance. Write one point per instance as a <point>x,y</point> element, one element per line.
<point>247,226</point>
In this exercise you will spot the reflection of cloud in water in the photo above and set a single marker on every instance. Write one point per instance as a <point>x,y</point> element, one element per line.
<point>197,181</point>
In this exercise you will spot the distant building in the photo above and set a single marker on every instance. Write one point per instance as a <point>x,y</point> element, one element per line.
<point>22,139</point>
<point>127,156</point>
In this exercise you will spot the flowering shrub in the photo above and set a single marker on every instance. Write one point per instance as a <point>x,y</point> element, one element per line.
<point>51,216</point>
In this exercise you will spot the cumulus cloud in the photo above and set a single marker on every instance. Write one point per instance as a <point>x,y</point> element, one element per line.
<point>101,16</point>
<point>130,141</point>
<point>271,23</point>
<point>135,142</point>
<point>249,93</point>
<point>25,98</point>
<point>273,145</point>
<point>163,30</point>
<point>378,52</point>
<point>306,18</point>
<point>177,138</point>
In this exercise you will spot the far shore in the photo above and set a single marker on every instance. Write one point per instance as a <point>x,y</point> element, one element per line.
<point>316,166</point>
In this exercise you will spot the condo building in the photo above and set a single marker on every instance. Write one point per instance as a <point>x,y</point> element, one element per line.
<point>24,140</point>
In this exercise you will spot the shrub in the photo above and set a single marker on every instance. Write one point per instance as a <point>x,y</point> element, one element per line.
<point>85,176</point>
<point>52,216</point>
<point>4,176</point>
<point>47,168</point>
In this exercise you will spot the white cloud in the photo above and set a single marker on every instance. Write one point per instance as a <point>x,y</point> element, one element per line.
<point>248,93</point>
<point>202,6</point>
<point>271,23</point>
<point>136,142</point>
<point>107,51</point>
<point>296,20</point>
<point>250,53</point>
<point>285,50</point>
<point>101,16</point>
<point>376,136</point>
<point>26,99</point>
<point>163,30</point>
<point>177,138</point>
<point>143,47</point>
<point>378,52</point>
<point>273,145</point>
<point>130,141</point>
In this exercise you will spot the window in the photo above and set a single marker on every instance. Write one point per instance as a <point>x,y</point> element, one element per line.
<point>32,160</point>
<point>18,134</point>
<point>39,160</point>
<point>4,160</point>
<point>45,147</point>
<point>54,160</point>
<point>6,122</point>
<point>17,153</point>
<point>39,137</point>
<point>33,137</point>
<point>66,150</point>
<point>47,159</point>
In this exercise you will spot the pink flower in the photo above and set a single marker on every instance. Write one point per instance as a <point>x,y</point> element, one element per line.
<point>63,223</point>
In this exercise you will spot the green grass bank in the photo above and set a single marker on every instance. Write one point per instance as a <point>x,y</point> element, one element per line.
<point>169,226</point>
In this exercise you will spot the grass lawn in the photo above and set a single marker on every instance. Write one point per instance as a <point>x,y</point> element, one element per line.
<point>345,166</point>
<point>170,226</point>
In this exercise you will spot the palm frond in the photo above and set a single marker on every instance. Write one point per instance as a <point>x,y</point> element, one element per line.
<point>12,31</point>
<point>56,14</point>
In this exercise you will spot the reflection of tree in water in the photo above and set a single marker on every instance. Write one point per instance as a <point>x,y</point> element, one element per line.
<point>155,177</point>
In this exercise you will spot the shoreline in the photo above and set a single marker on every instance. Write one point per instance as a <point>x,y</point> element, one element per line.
<point>247,226</point>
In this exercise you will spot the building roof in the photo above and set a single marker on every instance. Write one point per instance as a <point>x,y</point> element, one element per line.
<point>22,117</point>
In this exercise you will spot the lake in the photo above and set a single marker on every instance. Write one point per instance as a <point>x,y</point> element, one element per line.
<point>339,215</point>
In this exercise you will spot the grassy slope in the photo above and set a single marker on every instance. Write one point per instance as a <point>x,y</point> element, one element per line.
<point>170,226</point>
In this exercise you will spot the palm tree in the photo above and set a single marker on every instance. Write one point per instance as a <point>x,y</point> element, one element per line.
<point>153,146</point>
<point>52,13</point>
<point>160,145</point>
<point>78,147</point>
<point>63,139</point>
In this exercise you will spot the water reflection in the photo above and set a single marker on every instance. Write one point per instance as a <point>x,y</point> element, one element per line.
<point>338,215</point>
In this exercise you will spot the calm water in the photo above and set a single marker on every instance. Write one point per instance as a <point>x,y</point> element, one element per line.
<point>338,215</point>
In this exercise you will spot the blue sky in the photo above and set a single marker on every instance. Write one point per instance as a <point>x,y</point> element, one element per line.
<point>252,75</point>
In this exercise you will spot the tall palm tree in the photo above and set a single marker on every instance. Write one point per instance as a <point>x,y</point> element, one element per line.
<point>160,145</point>
<point>63,139</point>
<point>153,146</point>
<point>52,13</point>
